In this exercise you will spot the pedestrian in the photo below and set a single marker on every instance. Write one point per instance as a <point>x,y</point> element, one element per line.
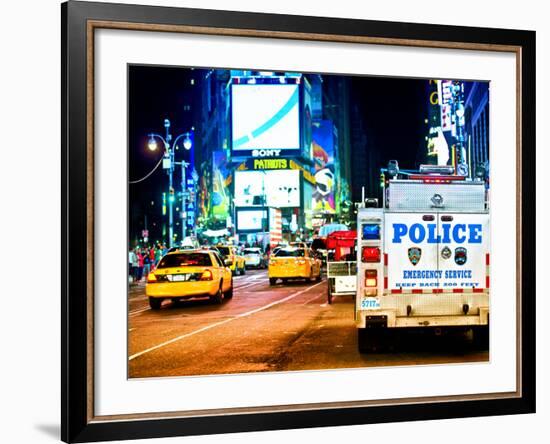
<point>135,264</point>
<point>131,260</point>
<point>158,254</point>
<point>140,264</point>
<point>152,256</point>
<point>146,263</point>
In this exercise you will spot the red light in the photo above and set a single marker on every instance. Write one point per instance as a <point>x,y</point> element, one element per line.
<point>436,179</point>
<point>370,254</point>
<point>371,278</point>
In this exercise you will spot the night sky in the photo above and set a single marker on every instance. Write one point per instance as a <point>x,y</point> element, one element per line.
<point>393,112</point>
<point>155,93</point>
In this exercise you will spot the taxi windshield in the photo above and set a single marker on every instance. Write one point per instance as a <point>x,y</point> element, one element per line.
<point>298,252</point>
<point>185,260</point>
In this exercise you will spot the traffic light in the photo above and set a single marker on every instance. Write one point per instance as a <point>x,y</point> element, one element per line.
<point>382,180</point>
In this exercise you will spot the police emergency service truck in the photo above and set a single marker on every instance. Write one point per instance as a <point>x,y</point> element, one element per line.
<point>423,258</point>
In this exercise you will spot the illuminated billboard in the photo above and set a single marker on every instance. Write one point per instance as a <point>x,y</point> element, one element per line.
<point>251,220</point>
<point>221,178</point>
<point>323,158</point>
<point>265,116</point>
<point>281,188</point>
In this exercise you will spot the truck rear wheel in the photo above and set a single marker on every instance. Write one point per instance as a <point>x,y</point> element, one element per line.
<point>371,340</point>
<point>481,338</point>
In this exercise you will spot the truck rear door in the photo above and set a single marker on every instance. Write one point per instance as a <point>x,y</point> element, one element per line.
<point>436,252</point>
<point>463,252</point>
<point>410,243</point>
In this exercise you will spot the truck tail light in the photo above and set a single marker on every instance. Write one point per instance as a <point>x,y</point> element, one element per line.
<point>151,278</point>
<point>206,275</point>
<point>370,254</point>
<point>371,278</point>
<point>371,231</point>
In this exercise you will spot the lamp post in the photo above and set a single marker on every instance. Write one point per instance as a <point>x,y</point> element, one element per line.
<point>264,216</point>
<point>168,163</point>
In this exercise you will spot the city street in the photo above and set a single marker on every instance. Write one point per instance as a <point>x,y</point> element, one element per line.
<point>266,328</point>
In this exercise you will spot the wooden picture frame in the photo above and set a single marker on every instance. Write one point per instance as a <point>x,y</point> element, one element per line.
<point>79,22</point>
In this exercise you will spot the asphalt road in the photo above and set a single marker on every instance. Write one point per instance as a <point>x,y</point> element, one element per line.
<point>264,328</point>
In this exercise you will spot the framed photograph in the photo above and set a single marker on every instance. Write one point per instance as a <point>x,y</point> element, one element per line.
<point>275,221</point>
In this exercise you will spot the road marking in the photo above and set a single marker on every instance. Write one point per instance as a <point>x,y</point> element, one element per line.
<point>241,287</point>
<point>225,321</point>
<point>253,277</point>
<point>141,310</point>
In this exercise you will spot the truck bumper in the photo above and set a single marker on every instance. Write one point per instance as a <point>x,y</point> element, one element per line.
<point>367,317</point>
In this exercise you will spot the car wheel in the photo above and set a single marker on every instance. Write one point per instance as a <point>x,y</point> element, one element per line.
<point>318,278</point>
<point>229,293</point>
<point>272,281</point>
<point>243,270</point>
<point>218,297</point>
<point>155,303</point>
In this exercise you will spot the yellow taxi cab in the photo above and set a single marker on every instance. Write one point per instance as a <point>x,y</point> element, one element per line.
<point>293,263</point>
<point>232,259</point>
<point>186,274</point>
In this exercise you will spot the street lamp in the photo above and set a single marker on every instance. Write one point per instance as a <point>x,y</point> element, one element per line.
<point>168,164</point>
<point>187,142</point>
<point>152,144</point>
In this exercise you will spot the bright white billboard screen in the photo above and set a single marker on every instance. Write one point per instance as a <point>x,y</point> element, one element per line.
<point>280,187</point>
<point>250,220</point>
<point>265,117</point>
